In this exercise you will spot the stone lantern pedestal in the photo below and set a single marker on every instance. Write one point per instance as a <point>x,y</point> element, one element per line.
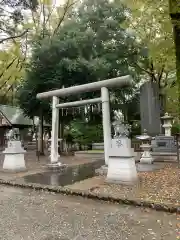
<point>146,156</point>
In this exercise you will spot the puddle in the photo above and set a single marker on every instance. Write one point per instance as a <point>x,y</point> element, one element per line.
<point>70,176</point>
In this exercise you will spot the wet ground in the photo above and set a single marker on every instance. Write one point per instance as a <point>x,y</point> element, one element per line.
<point>75,175</point>
<point>36,167</point>
<point>30,215</point>
<point>57,179</point>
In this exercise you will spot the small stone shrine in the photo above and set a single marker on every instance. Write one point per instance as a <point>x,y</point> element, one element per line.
<point>121,166</point>
<point>165,143</point>
<point>14,153</point>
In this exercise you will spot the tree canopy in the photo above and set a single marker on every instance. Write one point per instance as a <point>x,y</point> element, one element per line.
<point>150,21</point>
<point>90,46</point>
<point>25,22</point>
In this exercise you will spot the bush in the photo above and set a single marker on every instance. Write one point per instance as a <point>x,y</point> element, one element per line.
<point>175,128</point>
<point>135,129</point>
<point>84,133</point>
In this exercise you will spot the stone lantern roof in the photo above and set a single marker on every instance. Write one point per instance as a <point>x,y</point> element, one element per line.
<point>167,117</point>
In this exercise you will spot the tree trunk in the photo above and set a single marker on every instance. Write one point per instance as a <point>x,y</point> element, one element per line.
<point>162,100</point>
<point>40,135</point>
<point>174,11</point>
<point>177,46</point>
<point>61,136</point>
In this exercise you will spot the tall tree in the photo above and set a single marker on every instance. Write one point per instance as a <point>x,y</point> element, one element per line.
<point>11,15</point>
<point>90,46</point>
<point>13,36</point>
<point>26,20</point>
<point>150,21</point>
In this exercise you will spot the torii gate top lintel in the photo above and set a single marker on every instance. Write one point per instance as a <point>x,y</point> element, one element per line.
<point>90,87</point>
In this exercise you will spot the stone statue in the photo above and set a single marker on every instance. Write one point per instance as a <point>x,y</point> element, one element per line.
<point>13,134</point>
<point>120,129</point>
<point>118,116</point>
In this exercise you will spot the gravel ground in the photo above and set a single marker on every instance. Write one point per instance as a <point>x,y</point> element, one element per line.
<point>159,186</point>
<point>30,215</point>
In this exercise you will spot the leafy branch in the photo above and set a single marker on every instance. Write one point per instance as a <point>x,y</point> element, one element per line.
<point>14,37</point>
<point>66,9</point>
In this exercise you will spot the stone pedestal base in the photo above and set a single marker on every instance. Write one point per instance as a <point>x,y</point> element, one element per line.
<point>54,165</point>
<point>146,159</point>
<point>146,155</point>
<point>122,170</point>
<point>14,157</point>
<point>121,165</point>
<point>102,171</point>
<point>14,162</point>
<point>164,144</point>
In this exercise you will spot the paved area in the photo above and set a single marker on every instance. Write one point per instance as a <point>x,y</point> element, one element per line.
<point>30,215</point>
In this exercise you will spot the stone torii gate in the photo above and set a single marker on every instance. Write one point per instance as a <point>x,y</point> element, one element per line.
<point>103,85</point>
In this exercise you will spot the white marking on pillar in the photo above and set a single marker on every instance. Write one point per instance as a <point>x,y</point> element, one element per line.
<point>55,126</point>
<point>106,122</point>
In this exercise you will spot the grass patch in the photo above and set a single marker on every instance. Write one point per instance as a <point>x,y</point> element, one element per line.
<point>93,151</point>
<point>96,151</point>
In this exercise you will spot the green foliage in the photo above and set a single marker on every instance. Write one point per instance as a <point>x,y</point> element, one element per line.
<point>25,4</point>
<point>175,128</point>
<point>150,21</point>
<point>135,129</point>
<point>132,108</point>
<point>84,133</point>
<point>21,23</point>
<point>172,101</point>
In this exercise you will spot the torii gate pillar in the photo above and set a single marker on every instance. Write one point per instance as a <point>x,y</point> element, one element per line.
<point>55,128</point>
<point>106,122</point>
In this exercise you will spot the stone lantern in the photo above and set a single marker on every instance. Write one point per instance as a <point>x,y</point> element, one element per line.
<point>146,148</point>
<point>167,124</point>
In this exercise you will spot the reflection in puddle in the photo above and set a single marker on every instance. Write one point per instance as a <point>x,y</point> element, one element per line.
<point>60,178</point>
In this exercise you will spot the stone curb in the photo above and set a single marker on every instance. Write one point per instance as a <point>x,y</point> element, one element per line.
<point>88,194</point>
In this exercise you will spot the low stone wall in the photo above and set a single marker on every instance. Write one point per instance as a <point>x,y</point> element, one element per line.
<point>164,157</point>
<point>134,144</point>
<point>90,154</point>
<point>98,146</point>
<point>99,155</point>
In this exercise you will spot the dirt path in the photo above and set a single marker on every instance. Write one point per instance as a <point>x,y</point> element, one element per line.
<point>31,215</point>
